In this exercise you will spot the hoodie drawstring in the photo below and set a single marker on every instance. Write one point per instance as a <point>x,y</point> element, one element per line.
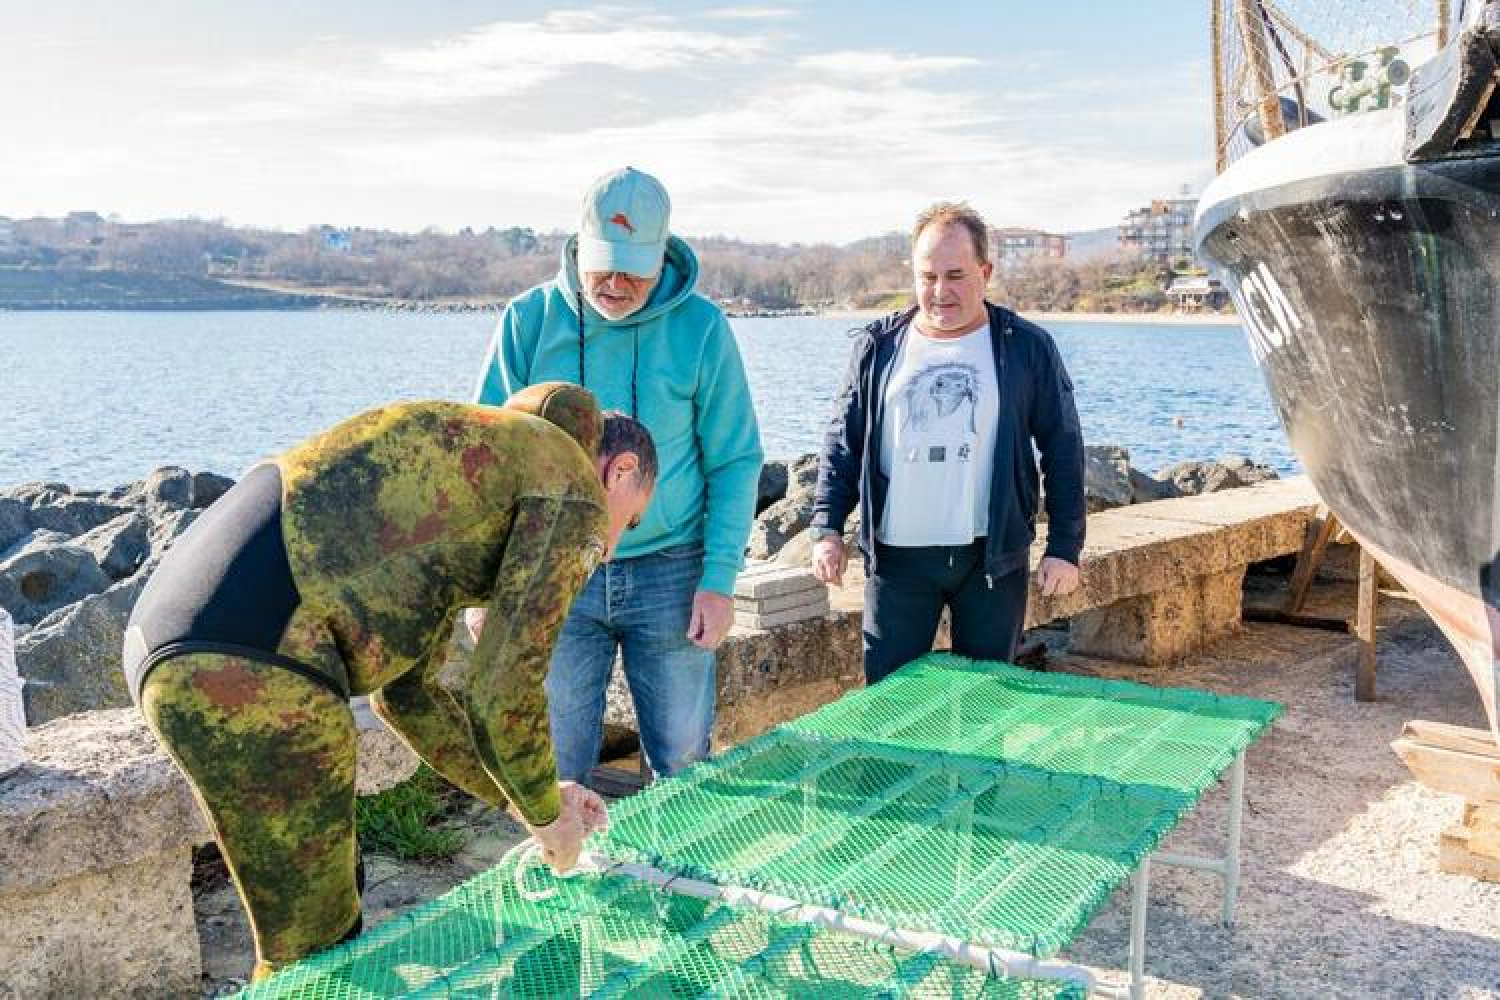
<point>635,350</point>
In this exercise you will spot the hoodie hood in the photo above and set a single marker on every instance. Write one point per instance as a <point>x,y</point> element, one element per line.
<point>679,276</point>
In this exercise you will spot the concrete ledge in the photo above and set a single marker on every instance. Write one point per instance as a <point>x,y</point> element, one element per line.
<point>96,838</point>
<point>1161,580</point>
<point>767,677</point>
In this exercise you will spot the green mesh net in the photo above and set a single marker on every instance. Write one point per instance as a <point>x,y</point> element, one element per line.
<point>981,801</point>
<point>606,936</point>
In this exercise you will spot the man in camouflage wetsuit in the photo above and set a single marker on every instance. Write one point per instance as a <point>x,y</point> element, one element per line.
<point>337,569</point>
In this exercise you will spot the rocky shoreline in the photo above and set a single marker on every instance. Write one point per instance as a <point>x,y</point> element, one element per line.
<point>73,561</point>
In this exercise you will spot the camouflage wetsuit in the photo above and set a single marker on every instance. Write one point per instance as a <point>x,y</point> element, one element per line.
<point>338,569</point>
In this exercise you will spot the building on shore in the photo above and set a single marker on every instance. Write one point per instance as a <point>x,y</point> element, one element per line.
<point>1012,246</point>
<point>1191,293</point>
<point>1161,231</point>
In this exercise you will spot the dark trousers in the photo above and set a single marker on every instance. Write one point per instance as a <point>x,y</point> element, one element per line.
<point>905,598</point>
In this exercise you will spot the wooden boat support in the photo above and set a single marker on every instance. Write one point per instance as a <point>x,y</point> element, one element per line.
<point>1464,762</point>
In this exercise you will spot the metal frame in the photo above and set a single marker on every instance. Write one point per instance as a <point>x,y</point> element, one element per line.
<point>996,961</point>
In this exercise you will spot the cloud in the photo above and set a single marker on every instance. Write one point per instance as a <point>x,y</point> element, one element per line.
<point>874,65</point>
<point>506,123</point>
<point>504,59</point>
<point>747,13</point>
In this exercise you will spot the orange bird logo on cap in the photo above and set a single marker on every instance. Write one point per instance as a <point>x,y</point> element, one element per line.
<point>623,220</point>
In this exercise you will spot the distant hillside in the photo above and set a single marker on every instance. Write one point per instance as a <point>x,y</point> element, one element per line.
<point>1093,244</point>
<point>55,288</point>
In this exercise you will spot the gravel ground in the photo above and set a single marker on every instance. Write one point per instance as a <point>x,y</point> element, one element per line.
<point>1340,893</point>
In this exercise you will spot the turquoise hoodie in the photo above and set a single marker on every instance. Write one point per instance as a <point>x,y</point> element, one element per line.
<point>691,391</point>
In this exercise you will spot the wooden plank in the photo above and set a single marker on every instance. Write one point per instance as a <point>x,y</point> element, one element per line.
<point>1364,629</point>
<point>1319,530</point>
<point>1474,776</point>
<point>1451,737</point>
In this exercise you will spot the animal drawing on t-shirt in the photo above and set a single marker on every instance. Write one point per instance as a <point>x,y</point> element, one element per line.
<point>939,392</point>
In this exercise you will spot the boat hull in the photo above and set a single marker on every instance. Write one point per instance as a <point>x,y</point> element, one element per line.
<point>1370,300</point>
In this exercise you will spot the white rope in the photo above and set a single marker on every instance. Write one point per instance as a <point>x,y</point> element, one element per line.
<point>12,713</point>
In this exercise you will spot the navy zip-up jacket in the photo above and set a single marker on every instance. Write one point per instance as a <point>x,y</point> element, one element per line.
<point>1036,405</point>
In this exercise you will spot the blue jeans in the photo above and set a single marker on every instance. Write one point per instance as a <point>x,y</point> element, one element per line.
<point>641,606</point>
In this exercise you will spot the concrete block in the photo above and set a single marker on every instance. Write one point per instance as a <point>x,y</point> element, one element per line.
<point>124,932</point>
<point>783,602</point>
<point>766,580</point>
<point>1165,626</point>
<point>786,616</point>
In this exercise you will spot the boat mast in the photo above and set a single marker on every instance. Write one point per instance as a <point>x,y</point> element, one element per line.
<point>1250,18</point>
<point>1221,138</point>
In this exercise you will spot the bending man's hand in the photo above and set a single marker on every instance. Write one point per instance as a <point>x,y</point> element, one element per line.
<point>562,840</point>
<point>712,615</point>
<point>1056,577</point>
<point>474,622</point>
<point>830,560</point>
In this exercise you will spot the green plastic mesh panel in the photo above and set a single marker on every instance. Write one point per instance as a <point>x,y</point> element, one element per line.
<point>979,800</point>
<point>604,936</point>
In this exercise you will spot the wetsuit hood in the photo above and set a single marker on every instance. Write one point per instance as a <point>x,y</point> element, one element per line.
<point>569,406</point>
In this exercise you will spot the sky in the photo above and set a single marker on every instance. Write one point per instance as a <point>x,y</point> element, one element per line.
<point>777,121</point>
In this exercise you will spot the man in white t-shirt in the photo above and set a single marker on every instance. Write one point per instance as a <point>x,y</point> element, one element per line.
<point>932,435</point>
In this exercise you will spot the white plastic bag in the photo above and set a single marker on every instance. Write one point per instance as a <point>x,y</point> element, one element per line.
<point>12,714</point>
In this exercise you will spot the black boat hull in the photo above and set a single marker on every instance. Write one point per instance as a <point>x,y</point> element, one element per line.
<point>1370,300</point>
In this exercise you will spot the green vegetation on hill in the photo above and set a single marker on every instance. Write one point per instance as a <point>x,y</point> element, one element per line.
<point>86,261</point>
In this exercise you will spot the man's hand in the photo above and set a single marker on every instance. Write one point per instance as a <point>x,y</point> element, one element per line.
<point>590,806</point>
<point>830,560</point>
<point>474,622</point>
<point>562,840</point>
<point>713,613</point>
<point>1056,577</point>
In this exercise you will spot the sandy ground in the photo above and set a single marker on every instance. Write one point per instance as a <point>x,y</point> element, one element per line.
<point>1340,892</point>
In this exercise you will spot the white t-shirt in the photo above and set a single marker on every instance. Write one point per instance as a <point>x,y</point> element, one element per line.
<point>937,440</point>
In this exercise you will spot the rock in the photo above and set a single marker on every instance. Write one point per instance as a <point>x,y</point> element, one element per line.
<point>73,515</point>
<point>38,581</point>
<point>13,522</point>
<point>773,477</point>
<point>1146,488</point>
<point>166,527</point>
<point>384,758</point>
<point>71,660</point>
<point>169,486</point>
<point>36,541</point>
<point>1106,477</point>
<point>802,475</point>
<point>788,516</point>
<point>1248,472</point>
<point>30,494</point>
<point>208,487</point>
<point>781,521</point>
<point>1192,478</point>
<point>121,546</point>
<point>798,550</point>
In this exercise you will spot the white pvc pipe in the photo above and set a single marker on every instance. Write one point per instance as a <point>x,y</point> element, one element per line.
<point>1219,866</point>
<point>1232,849</point>
<point>1138,931</point>
<point>995,961</point>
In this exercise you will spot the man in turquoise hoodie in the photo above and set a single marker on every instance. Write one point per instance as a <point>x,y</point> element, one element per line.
<point>622,319</point>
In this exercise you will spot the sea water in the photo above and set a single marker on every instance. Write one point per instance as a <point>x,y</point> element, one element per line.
<point>95,399</point>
